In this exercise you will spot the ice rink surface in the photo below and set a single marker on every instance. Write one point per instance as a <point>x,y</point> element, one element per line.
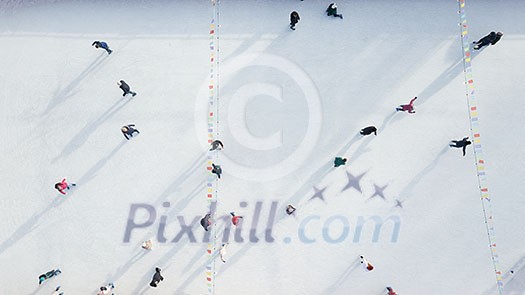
<point>289,102</point>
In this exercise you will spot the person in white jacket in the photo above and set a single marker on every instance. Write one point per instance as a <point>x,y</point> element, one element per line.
<point>106,290</point>
<point>222,252</point>
<point>366,265</point>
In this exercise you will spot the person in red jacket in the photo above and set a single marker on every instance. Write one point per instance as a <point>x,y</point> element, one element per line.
<point>391,291</point>
<point>366,265</point>
<point>235,218</point>
<point>63,186</point>
<point>407,107</point>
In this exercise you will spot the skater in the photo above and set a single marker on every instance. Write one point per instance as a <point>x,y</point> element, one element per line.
<point>129,130</point>
<point>460,144</point>
<point>391,291</point>
<point>48,275</point>
<point>147,245</point>
<point>157,277</point>
<point>216,170</point>
<point>366,265</point>
<point>222,252</point>
<point>491,38</point>
<point>290,209</point>
<point>106,290</point>
<point>125,87</point>
<point>56,291</point>
<point>235,218</point>
<point>407,107</point>
<point>294,19</point>
<point>339,161</point>
<point>103,45</point>
<point>368,130</point>
<point>63,186</point>
<point>206,221</point>
<point>216,145</point>
<point>332,10</point>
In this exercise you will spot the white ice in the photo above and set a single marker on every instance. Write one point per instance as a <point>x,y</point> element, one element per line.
<point>289,103</point>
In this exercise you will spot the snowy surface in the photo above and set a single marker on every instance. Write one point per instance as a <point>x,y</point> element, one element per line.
<point>289,103</point>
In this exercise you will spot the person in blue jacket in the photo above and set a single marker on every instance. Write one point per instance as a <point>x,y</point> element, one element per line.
<point>103,45</point>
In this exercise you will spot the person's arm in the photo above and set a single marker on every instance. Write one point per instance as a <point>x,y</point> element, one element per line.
<point>464,150</point>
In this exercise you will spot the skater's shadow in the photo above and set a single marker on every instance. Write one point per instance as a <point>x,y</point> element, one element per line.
<point>191,170</point>
<point>514,283</point>
<point>198,270</point>
<point>332,289</point>
<point>176,246</point>
<point>61,95</point>
<point>129,263</point>
<point>83,135</point>
<point>407,190</point>
<point>92,172</point>
<point>30,225</point>
<point>449,74</point>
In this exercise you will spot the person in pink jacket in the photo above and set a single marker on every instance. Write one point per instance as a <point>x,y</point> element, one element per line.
<point>63,186</point>
<point>407,107</point>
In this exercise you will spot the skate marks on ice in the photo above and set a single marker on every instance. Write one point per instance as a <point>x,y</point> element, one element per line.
<point>332,289</point>
<point>30,225</point>
<point>82,136</point>
<point>513,282</point>
<point>61,95</point>
<point>121,270</point>
<point>406,192</point>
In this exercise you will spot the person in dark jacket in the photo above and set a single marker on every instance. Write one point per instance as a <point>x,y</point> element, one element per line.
<point>290,209</point>
<point>206,221</point>
<point>216,145</point>
<point>157,277</point>
<point>216,169</point>
<point>49,274</point>
<point>332,11</point>
<point>461,144</point>
<point>125,87</point>
<point>103,45</point>
<point>491,38</point>
<point>339,161</point>
<point>128,130</point>
<point>294,19</point>
<point>368,130</point>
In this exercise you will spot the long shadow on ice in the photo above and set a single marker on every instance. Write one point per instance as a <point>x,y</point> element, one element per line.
<point>513,283</point>
<point>344,276</point>
<point>61,95</point>
<point>30,225</point>
<point>92,172</point>
<point>455,69</point>
<point>406,192</point>
<point>83,135</point>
